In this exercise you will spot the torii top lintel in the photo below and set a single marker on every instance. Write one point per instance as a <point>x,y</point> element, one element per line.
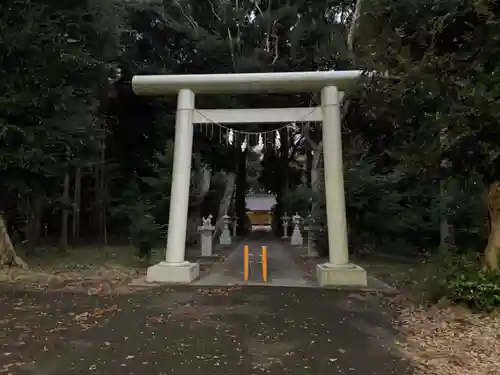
<point>292,82</point>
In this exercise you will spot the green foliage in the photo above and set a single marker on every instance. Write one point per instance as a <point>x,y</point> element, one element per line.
<point>67,103</point>
<point>145,201</point>
<point>54,66</point>
<point>459,278</point>
<point>143,227</point>
<point>299,201</point>
<point>157,187</point>
<point>391,206</point>
<point>394,211</point>
<point>468,213</point>
<point>320,229</point>
<point>430,120</point>
<point>62,108</point>
<point>443,57</point>
<point>254,169</point>
<point>388,209</point>
<point>137,211</point>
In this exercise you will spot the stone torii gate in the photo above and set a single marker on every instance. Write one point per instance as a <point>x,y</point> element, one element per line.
<point>175,268</point>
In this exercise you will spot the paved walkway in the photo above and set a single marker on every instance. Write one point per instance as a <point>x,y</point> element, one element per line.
<point>206,331</point>
<point>282,270</point>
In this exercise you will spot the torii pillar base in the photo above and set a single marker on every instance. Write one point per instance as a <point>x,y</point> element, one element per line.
<point>173,273</point>
<point>341,275</point>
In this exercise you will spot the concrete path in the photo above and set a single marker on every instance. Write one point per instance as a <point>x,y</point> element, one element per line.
<point>202,330</point>
<point>282,270</point>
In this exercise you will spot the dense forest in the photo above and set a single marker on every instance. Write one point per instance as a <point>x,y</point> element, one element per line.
<point>82,157</point>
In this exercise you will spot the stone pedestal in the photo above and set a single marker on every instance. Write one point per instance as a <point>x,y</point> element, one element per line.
<point>164,272</point>
<point>296,239</point>
<point>206,231</point>
<point>225,237</point>
<point>311,249</point>
<point>285,222</point>
<point>235,226</point>
<point>333,275</point>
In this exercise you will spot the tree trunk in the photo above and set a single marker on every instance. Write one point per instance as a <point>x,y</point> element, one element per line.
<point>8,256</point>
<point>309,163</point>
<point>241,191</point>
<point>100,189</point>
<point>33,224</point>
<point>102,194</point>
<point>446,232</point>
<point>225,202</point>
<point>445,229</point>
<point>104,209</point>
<point>316,176</point>
<point>97,205</point>
<point>282,183</point>
<point>492,251</point>
<point>63,240</point>
<point>201,184</point>
<point>75,230</point>
<point>353,28</point>
<point>284,161</point>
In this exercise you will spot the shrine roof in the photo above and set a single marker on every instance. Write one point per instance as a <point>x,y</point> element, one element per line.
<point>260,202</point>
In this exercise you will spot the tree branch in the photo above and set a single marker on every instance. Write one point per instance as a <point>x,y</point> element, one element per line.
<point>354,26</point>
<point>276,43</point>
<point>188,18</point>
<point>214,11</point>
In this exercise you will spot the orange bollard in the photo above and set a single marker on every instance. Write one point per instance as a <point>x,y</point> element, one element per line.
<point>264,263</point>
<point>245,262</point>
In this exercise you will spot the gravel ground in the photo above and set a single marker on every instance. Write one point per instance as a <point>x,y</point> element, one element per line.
<point>247,331</point>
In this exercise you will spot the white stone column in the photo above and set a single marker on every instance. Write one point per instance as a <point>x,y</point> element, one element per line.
<point>175,268</point>
<point>338,271</point>
<point>181,175</point>
<point>334,176</point>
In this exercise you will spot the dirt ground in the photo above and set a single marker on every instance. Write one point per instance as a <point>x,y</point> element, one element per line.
<point>440,339</point>
<point>113,269</point>
<point>183,329</point>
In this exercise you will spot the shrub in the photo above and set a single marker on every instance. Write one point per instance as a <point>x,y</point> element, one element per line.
<point>459,278</point>
<point>383,209</point>
<point>299,201</point>
<point>137,211</point>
